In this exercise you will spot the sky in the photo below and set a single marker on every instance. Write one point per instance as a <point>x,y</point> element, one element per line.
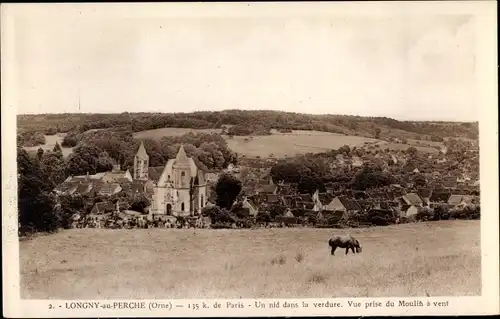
<point>394,64</point>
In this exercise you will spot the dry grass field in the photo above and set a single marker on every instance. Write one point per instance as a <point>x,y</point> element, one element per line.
<point>290,144</point>
<point>435,258</point>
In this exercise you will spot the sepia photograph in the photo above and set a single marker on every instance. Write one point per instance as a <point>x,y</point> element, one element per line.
<point>248,151</point>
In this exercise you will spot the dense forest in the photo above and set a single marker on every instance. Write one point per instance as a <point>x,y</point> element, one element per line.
<point>244,122</point>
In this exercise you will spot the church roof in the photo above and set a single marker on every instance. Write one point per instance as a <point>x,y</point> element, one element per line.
<point>141,152</point>
<point>181,157</point>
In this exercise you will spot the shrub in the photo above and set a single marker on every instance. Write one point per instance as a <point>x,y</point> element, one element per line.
<point>281,260</point>
<point>425,215</point>
<point>299,257</point>
<point>317,278</point>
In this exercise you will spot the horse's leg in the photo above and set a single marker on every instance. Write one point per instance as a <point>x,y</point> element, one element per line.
<point>346,250</point>
<point>353,251</point>
<point>333,250</point>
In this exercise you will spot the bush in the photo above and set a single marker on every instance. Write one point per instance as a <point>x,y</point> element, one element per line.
<point>70,140</point>
<point>424,215</point>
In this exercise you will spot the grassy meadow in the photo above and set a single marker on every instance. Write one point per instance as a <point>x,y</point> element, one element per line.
<point>291,144</point>
<point>435,258</point>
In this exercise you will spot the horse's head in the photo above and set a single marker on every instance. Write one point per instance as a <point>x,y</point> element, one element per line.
<point>357,245</point>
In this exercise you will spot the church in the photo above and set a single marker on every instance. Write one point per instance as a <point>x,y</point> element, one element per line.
<point>179,188</point>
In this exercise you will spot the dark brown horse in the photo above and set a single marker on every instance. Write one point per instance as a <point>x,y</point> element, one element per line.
<point>347,242</point>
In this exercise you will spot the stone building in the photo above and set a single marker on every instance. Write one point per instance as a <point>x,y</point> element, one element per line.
<point>180,189</point>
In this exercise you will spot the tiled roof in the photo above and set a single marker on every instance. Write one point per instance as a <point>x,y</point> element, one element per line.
<point>267,189</point>
<point>109,188</point>
<point>325,198</point>
<point>349,204</point>
<point>270,198</point>
<point>84,187</point>
<point>412,199</point>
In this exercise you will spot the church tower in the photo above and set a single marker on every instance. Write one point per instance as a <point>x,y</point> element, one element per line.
<point>141,163</point>
<point>182,176</point>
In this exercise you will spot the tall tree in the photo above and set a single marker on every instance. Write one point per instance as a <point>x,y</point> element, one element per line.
<point>54,166</point>
<point>35,201</point>
<point>57,148</point>
<point>227,188</point>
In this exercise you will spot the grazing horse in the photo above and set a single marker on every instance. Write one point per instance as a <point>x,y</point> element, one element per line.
<point>347,242</point>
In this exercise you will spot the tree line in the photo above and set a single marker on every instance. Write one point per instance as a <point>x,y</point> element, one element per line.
<point>246,122</point>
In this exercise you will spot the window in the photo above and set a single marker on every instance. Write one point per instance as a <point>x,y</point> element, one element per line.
<point>183,174</point>
<point>182,206</point>
<point>202,201</point>
<point>168,177</point>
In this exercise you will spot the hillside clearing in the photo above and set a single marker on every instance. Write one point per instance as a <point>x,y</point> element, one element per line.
<point>291,144</point>
<point>50,142</point>
<point>437,258</point>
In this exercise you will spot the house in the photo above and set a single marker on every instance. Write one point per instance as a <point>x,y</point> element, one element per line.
<point>252,209</point>
<point>67,187</point>
<point>410,211</point>
<point>288,213</point>
<point>461,200</point>
<point>412,199</point>
<point>268,189</point>
<point>272,199</point>
<point>323,199</point>
<point>85,188</point>
<point>356,161</point>
<point>309,206</point>
<point>344,204</point>
<point>109,189</point>
<point>116,175</point>
<point>101,208</point>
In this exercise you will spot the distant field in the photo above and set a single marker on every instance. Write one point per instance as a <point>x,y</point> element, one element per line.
<point>170,131</point>
<point>50,142</point>
<point>290,144</point>
<point>436,258</point>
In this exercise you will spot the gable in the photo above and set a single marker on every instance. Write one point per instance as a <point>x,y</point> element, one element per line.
<point>167,170</point>
<point>336,204</point>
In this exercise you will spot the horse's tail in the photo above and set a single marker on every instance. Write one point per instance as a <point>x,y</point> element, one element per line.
<point>330,242</point>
